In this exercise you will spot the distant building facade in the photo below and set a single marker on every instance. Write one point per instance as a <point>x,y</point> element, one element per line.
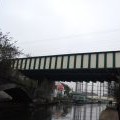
<point>58,90</point>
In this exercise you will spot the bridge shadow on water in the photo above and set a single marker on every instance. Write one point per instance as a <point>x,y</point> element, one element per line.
<point>59,112</point>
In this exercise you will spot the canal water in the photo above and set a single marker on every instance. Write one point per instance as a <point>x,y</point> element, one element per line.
<point>59,112</point>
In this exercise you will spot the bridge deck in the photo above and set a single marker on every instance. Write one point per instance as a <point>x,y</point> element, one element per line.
<point>95,63</point>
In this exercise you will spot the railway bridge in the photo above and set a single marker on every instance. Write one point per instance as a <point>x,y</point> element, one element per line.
<point>94,66</point>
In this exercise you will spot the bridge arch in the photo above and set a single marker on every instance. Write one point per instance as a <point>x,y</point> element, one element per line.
<point>19,95</point>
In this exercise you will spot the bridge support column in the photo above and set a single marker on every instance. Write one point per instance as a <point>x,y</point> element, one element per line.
<point>100,90</point>
<point>86,89</point>
<point>44,90</point>
<point>92,91</point>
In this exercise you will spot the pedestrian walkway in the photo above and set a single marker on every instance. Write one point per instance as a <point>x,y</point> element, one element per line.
<point>109,114</point>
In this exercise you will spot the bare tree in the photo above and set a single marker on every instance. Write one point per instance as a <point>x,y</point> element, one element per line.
<point>8,51</point>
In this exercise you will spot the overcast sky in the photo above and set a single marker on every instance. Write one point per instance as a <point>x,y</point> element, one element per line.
<point>46,27</point>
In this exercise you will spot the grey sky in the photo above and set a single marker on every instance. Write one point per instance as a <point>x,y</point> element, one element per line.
<point>46,27</point>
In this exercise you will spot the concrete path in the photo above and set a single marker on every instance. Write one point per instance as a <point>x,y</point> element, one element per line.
<point>109,114</point>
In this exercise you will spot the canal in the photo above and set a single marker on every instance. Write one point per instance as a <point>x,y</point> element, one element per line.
<point>59,112</point>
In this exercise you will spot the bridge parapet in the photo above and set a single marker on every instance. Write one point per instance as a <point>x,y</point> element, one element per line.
<point>94,60</point>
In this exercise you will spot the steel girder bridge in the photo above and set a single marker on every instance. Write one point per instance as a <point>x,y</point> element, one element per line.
<point>94,66</point>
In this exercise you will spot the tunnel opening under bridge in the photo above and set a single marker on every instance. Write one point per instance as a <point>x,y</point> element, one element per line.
<point>92,84</point>
<point>19,95</point>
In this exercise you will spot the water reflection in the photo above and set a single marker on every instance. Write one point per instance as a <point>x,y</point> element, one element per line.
<point>87,112</point>
<point>59,112</point>
<point>41,114</point>
<point>15,114</point>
